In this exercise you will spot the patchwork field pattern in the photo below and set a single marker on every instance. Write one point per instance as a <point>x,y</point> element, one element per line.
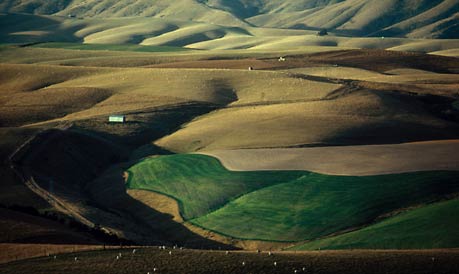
<point>283,205</point>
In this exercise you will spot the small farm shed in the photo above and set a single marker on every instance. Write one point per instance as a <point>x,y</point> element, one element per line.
<point>117,119</point>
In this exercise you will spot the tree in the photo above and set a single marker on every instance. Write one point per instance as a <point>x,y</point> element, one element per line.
<point>322,32</point>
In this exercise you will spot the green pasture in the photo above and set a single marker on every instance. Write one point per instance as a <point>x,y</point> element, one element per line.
<point>431,226</point>
<point>283,205</point>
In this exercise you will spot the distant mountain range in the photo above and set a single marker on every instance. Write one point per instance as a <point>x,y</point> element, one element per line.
<point>399,18</point>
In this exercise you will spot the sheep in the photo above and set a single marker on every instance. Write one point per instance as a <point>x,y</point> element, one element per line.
<point>269,253</point>
<point>117,257</point>
<point>227,252</point>
<point>295,271</point>
<point>243,263</point>
<point>170,252</point>
<point>275,263</point>
<point>76,259</point>
<point>134,251</point>
<point>119,254</point>
<point>55,257</point>
<point>304,269</point>
<point>155,269</point>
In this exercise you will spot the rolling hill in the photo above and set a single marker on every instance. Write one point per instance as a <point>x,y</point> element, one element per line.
<point>284,205</point>
<point>420,19</point>
<point>178,71</point>
<point>191,100</point>
<point>418,228</point>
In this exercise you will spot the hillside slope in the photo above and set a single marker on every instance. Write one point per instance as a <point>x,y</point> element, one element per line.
<point>283,205</point>
<point>421,19</point>
<point>429,223</point>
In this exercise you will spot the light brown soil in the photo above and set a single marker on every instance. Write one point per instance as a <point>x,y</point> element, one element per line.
<point>347,160</point>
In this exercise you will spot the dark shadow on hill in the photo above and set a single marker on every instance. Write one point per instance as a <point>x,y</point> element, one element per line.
<point>143,127</point>
<point>65,167</point>
<point>382,60</point>
<point>151,226</point>
<point>27,28</point>
<point>27,225</point>
<point>404,117</point>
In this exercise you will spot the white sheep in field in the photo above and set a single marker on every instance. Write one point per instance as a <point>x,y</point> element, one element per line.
<point>295,271</point>
<point>243,263</point>
<point>227,252</point>
<point>170,252</point>
<point>117,257</point>
<point>304,269</point>
<point>275,263</point>
<point>76,259</point>
<point>269,253</point>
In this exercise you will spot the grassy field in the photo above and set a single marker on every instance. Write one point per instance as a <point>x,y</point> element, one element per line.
<point>109,47</point>
<point>199,183</point>
<point>152,260</point>
<point>430,226</point>
<point>42,87</point>
<point>282,205</point>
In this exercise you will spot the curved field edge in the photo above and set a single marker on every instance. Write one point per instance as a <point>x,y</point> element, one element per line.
<point>431,226</point>
<point>288,206</point>
<point>200,184</point>
<point>316,205</point>
<point>354,160</point>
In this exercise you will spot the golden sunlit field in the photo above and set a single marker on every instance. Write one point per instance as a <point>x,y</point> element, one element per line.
<point>255,137</point>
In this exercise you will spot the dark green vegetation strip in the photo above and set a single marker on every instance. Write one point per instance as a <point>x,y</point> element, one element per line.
<point>110,47</point>
<point>432,226</point>
<point>283,205</point>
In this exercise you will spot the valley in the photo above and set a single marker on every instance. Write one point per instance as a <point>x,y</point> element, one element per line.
<point>244,133</point>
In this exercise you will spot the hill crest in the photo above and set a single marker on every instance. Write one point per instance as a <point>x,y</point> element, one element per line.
<point>400,18</point>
